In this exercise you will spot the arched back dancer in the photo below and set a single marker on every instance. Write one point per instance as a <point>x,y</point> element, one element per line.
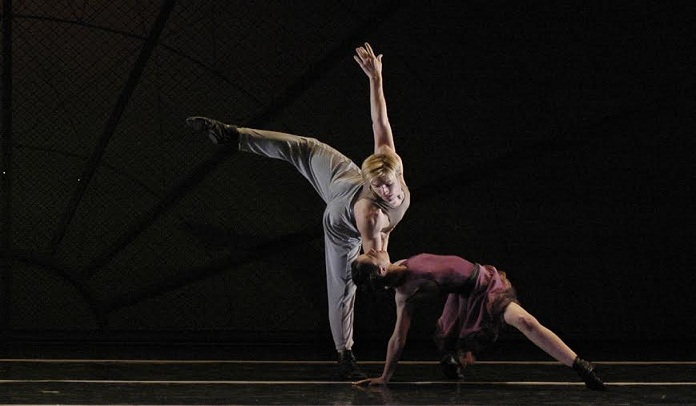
<point>480,300</point>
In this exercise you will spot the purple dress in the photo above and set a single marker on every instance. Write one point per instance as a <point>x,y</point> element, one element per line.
<point>477,296</point>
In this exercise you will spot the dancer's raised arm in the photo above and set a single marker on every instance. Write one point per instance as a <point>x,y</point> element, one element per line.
<point>371,64</point>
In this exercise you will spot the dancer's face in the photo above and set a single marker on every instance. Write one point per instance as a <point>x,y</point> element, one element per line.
<point>388,188</point>
<point>378,259</point>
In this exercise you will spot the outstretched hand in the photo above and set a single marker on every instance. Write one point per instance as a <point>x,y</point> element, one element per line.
<point>370,64</point>
<point>371,382</point>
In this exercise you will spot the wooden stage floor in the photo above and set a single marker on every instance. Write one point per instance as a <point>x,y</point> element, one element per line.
<point>264,378</point>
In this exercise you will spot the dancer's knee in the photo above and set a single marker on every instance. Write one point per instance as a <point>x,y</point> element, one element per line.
<point>525,323</point>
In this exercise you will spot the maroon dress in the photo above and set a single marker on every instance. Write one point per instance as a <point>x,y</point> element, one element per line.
<point>477,296</point>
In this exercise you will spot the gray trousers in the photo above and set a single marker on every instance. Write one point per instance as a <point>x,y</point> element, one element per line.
<point>337,180</point>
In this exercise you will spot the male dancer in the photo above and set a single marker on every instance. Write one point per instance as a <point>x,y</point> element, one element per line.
<point>363,205</point>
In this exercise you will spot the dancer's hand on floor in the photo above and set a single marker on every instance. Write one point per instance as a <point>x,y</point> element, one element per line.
<point>371,382</point>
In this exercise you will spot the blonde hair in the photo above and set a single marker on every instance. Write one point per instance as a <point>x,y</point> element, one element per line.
<point>384,164</point>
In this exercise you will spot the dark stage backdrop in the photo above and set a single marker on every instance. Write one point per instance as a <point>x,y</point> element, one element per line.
<point>552,140</point>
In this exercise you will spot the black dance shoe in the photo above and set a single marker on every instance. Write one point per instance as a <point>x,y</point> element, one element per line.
<point>450,367</point>
<point>217,131</point>
<point>585,371</point>
<point>348,369</point>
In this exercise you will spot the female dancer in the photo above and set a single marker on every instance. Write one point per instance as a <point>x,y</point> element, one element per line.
<point>480,299</point>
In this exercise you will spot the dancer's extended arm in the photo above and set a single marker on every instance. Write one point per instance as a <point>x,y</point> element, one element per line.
<point>371,64</point>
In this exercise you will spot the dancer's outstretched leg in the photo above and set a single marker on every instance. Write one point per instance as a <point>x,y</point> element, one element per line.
<point>548,341</point>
